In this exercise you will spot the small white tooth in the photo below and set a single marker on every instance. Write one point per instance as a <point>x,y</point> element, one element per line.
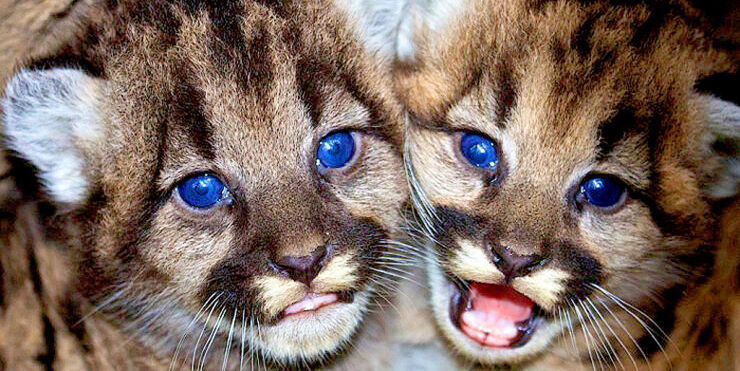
<point>506,329</point>
<point>473,318</point>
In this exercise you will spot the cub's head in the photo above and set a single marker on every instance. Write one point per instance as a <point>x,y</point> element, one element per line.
<point>565,160</point>
<point>229,172</point>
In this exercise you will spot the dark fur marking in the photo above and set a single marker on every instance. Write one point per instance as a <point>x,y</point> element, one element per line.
<point>67,9</point>
<point>67,61</point>
<point>2,287</point>
<point>559,50</point>
<point>152,200</point>
<point>46,358</point>
<point>583,267</point>
<point>25,176</point>
<point>709,336</point>
<point>580,40</point>
<point>186,108</point>
<point>647,33</point>
<point>450,220</point>
<point>665,318</point>
<point>378,120</point>
<point>72,316</point>
<point>721,85</point>
<point>506,92</point>
<point>250,61</point>
<point>623,124</point>
<point>311,75</point>
<point>228,38</point>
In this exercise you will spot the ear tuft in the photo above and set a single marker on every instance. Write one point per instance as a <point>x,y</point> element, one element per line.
<point>724,142</point>
<point>49,116</point>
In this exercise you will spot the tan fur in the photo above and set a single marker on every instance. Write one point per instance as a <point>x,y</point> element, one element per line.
<point>470,261</point>
<point>340,274</point>
<point>543,285</point>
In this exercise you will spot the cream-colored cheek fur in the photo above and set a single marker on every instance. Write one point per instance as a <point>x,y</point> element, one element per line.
<point>276,293</point>
<point>543,286</point>
<point>471,263</point>
<point>309,335</point>
<point>339,275</point>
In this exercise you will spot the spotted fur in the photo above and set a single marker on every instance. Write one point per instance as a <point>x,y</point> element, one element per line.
<point>642,91</point>
<point>105,267</point>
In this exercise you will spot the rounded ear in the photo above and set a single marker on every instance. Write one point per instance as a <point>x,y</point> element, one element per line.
<point>51,118</point>
<point>723,139</point>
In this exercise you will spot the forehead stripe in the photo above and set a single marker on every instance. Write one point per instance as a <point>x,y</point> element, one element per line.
<point>186,111</point>
<point>615,129</point>
<point>307,74</point>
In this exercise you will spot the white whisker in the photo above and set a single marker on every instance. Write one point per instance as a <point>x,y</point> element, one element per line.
<point>228,342</point>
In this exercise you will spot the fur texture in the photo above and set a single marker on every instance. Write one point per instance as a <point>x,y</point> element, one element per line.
<point>150,93</point>
<point>638,91</point>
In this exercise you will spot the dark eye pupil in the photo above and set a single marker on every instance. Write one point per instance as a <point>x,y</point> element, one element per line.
<point>602,192</point>
<point>201,187</point>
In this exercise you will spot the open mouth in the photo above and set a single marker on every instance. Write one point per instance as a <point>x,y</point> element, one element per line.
<point>494,315</point>
<point>315,301</point>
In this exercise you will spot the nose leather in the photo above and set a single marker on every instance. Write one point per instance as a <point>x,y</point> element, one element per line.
<point>513,265</point>
<point>302,268</point>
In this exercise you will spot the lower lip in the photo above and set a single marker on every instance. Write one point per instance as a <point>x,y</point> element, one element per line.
<point>310,303</point>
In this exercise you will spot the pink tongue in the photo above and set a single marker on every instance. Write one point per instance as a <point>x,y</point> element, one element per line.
<point>496,311</point>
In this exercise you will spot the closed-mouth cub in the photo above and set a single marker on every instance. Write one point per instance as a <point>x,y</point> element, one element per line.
<point>227,174</point>
<point>571,163</point>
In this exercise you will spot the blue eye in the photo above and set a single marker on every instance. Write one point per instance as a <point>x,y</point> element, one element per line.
<point>335,150</point>
<point>479,150</point>
<point>602,191</point>
<point>201,191</point>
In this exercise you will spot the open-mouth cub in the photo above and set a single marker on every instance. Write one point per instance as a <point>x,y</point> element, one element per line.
<point>572,161</point>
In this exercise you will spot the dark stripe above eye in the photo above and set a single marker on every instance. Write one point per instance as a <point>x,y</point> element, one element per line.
<point>614,130</point>
<point>186,111</point>
<point>246,61</point>
<point>506,95</point>
<point>309,75</point>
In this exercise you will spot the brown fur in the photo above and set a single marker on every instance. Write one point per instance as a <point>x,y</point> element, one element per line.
<point>568,88</point>
<point>244,90</point>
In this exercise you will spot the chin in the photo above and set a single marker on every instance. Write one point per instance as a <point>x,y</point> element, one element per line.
<point>310,335</point>
<point>527,336</point>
